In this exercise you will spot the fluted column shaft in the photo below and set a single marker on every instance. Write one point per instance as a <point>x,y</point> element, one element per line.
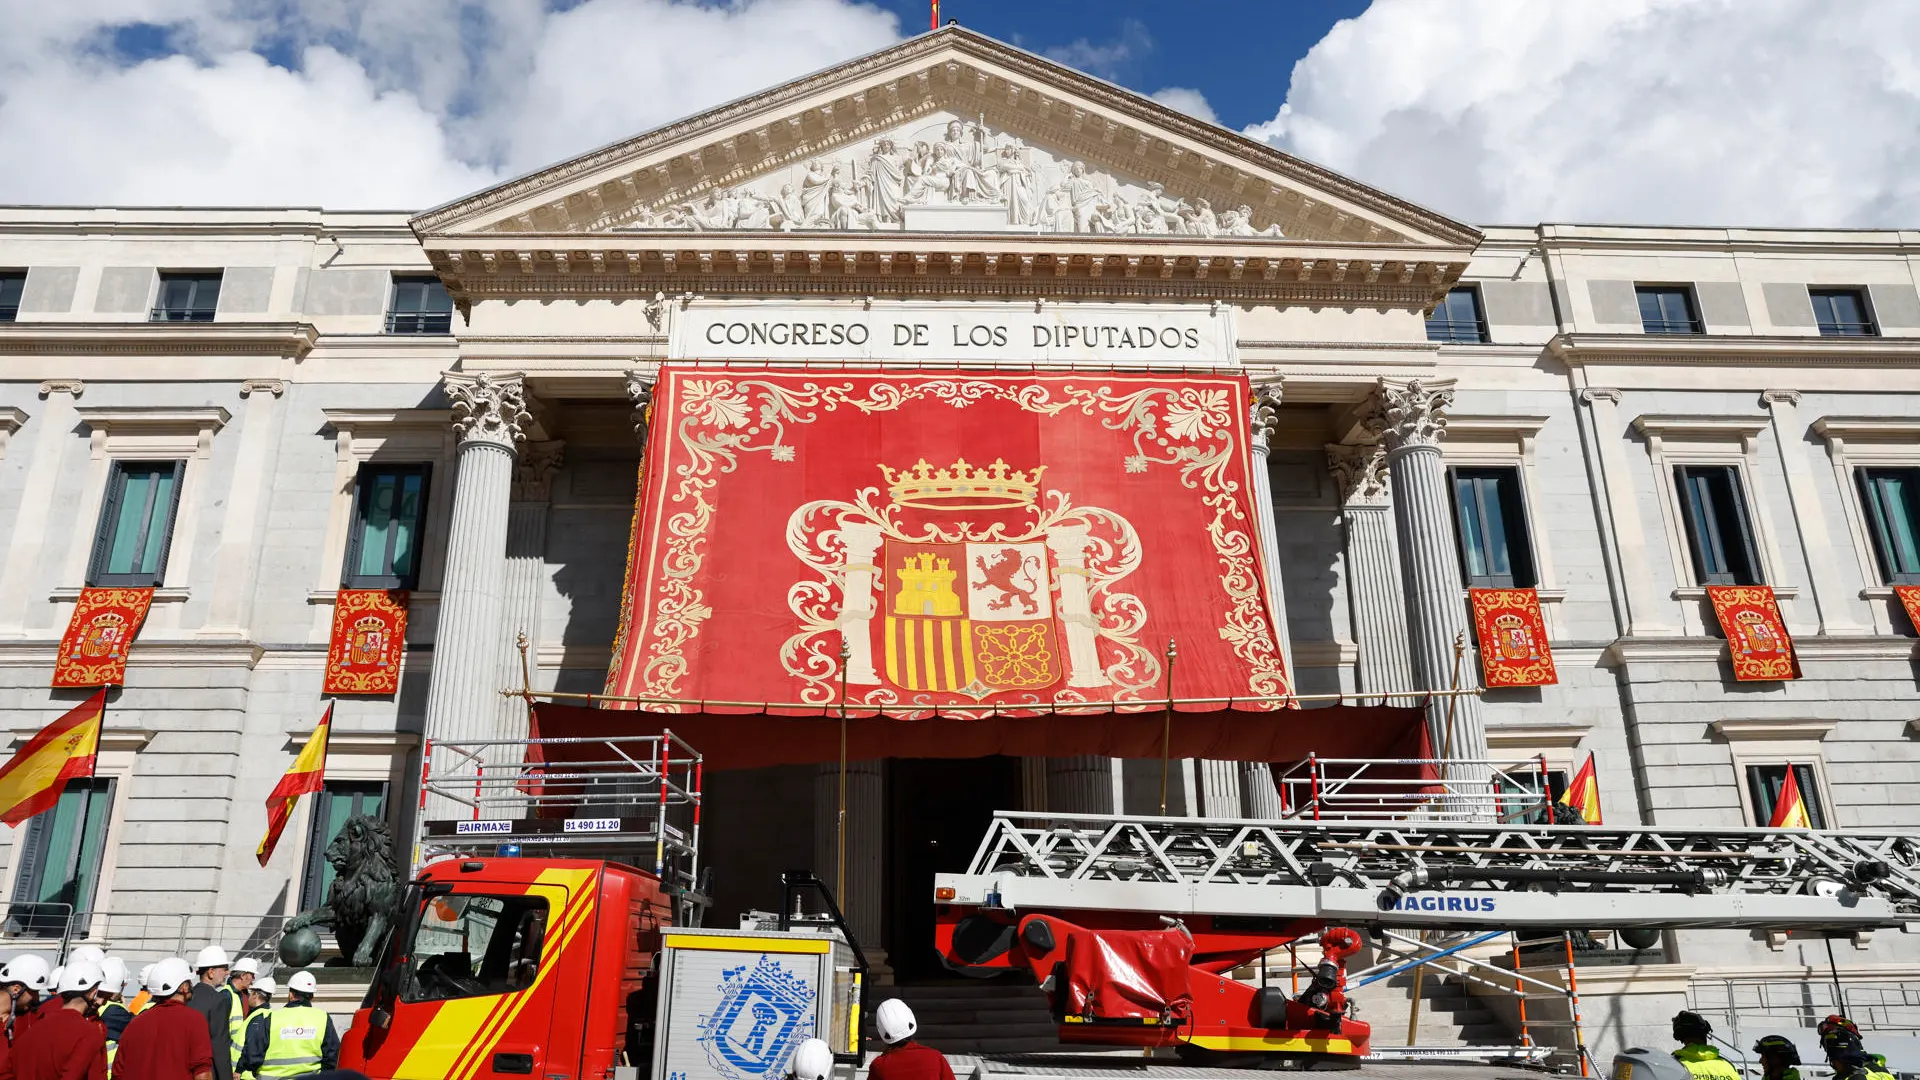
<point>1372,563</point>
<point>525,558</point>
<point>1411,425</point>
<point>1082,784</point>
<point>862,898</point>
<point>463,696</point>
<point>1257,796</point>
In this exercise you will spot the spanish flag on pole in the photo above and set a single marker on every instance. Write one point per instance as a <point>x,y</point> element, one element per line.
<point>307,777</point>
<point>63,750</point>
<point>1790,809</point>
<point>1583,794</point>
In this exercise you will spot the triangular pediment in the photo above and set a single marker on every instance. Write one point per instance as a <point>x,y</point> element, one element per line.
<point>949,132</point>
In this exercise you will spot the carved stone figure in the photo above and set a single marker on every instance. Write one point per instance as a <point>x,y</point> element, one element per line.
<point>813,194</point>
<point>1021,186</point>
<point>886,181</point>
<point>366,889</point>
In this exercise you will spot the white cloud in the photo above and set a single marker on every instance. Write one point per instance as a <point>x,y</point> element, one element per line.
<point>373,103</point>
<point>1734,112</point>
<point>1187,100</point>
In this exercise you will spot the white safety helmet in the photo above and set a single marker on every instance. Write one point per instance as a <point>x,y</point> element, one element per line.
<point>167,976</point>
<point>113,974</point>
<point>812,1060</point>
<point>264,985</point>
<point>88,952</point>
<point>303,982</point>
<point>132,986</point>
<point>213,956</point>
<point>246,965</point>
<point>146,973</point>
<point>78,977</point>
<point>29,971</point>
<point>895,1021</point>
<point>53,978</point>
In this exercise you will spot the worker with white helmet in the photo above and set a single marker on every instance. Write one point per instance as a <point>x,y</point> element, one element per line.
<point>213,1000</point>
<point>259,1004</point>
<point>66,1043</point>
<point>23,979</point>
<point>142,997</point>
<point>904,1059</point>
<point>239,982</point>
<point>168,1041</point>
<point>24,1019</point>
<point>114,1013</point>
<point>812,1060</point>
<point>298,1038</point>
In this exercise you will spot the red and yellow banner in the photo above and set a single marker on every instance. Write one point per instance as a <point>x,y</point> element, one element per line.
<point>1513,638</point>
<point>308,776</point>
<point>64,750</point>
<point>973,540</point>
<point>1790,809</point>
<point>1583,793</point>
<point>1910,600</point>
<point>369,636</point>
<point>1756,637</point>
<point>94,650</point>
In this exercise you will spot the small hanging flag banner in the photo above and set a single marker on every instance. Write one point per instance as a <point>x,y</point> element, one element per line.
<point>1513,638</point>
<point>369,634</point>
<point>1910,599</point>
<point>1756,637</point>
<point>94,650</point>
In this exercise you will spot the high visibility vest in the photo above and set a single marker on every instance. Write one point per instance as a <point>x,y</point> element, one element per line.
<point>236,1027</point>
<point>296,1035</point>
<point>113,1045</point>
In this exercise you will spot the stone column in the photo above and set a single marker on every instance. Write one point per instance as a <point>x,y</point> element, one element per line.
<point>1083,784</point>
<point>489,416</point>
<point>1410,425</point>
<point>862,899</point>
<point>526,557</point>
<point>1372,567</point>
<point>1257,797</point>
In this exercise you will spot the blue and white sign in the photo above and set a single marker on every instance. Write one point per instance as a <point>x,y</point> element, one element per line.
<point>765,1010</point>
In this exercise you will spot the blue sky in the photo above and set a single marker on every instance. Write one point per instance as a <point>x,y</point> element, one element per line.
<point>1702,112</point>
<point>1238,55</point>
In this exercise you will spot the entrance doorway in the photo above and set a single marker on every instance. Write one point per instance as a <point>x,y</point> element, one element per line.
<point>937,811</point>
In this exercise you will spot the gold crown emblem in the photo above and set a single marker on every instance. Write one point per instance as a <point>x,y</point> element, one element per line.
<point>1509,622</point>
<point>962,486</point>
<point>109,619</point>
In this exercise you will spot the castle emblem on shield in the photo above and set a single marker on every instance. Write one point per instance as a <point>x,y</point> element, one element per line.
<point>1515,639</point>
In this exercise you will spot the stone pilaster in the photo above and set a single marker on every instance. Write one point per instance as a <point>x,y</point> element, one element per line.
<point>1256,795</point>
<point>1410,424</point>
<point>526,557</point>
<point>1372,567</point>
<point>1823,575</point>
<point>489,417</point>
<point>862,900</point>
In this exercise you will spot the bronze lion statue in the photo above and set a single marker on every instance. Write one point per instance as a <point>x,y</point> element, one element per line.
<point>364,894</point>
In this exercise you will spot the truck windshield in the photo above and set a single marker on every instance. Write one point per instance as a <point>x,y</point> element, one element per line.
<point>470,945</point>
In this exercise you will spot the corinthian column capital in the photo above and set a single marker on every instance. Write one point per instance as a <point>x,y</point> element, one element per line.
<point>640,385</point>
<point>1360,471</point>
<point>1263,415</point>
<point>533,473</point>
<point>1410,414</point>
<point>488,408</point>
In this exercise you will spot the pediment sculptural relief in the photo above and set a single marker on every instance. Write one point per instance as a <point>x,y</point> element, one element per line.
<point>950,174</point>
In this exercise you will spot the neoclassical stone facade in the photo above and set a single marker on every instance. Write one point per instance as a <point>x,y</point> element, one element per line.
<point>950,184</point>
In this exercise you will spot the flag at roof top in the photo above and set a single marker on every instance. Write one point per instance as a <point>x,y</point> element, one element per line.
<point>983,541</point>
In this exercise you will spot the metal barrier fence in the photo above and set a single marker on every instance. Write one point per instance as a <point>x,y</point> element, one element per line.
<point>1771,1006</point>
<point>55,929</point>
<point>1416,789</point>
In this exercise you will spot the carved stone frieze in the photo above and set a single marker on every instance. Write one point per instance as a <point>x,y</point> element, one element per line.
<point>1360,472</point>
<point>946,173</point>
<point>1410,413</point>
<point>488,408</point>
<point>533,473</point>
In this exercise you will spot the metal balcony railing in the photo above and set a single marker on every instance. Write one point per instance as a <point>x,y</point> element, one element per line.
<point>181,314</point>
<point>419,322</point>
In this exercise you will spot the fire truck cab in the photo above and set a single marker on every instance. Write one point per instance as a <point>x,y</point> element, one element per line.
<point>507,967</point>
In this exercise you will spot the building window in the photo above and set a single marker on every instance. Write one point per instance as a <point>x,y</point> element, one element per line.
<point>1518,792</point>
<point>383,548</point>
<point>60,862</point>
<point>1764,783</point>
<point>420,306</point>
<point>1494,552</point>
<point>1667,309</point>
<point>136,523</point>
<point>1892,499</point>
<point>187,297</point>
<point>331,809</point>
<point>1457,318</point>
<point>1841,313</point>
<point>1718,534</point>
<point>12,284</point>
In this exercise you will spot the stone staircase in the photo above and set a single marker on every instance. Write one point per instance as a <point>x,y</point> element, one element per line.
<point>985,1016</point>
<point>1449,1015</point>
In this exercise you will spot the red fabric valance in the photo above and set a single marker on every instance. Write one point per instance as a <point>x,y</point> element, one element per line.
<point>969,538</point>
<point>753,741</point>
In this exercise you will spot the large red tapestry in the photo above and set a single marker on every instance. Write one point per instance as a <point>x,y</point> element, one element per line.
<point>985,540</point>
<point>1757,639</point>
<point>93,651</point>
<point>1512,636</point>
